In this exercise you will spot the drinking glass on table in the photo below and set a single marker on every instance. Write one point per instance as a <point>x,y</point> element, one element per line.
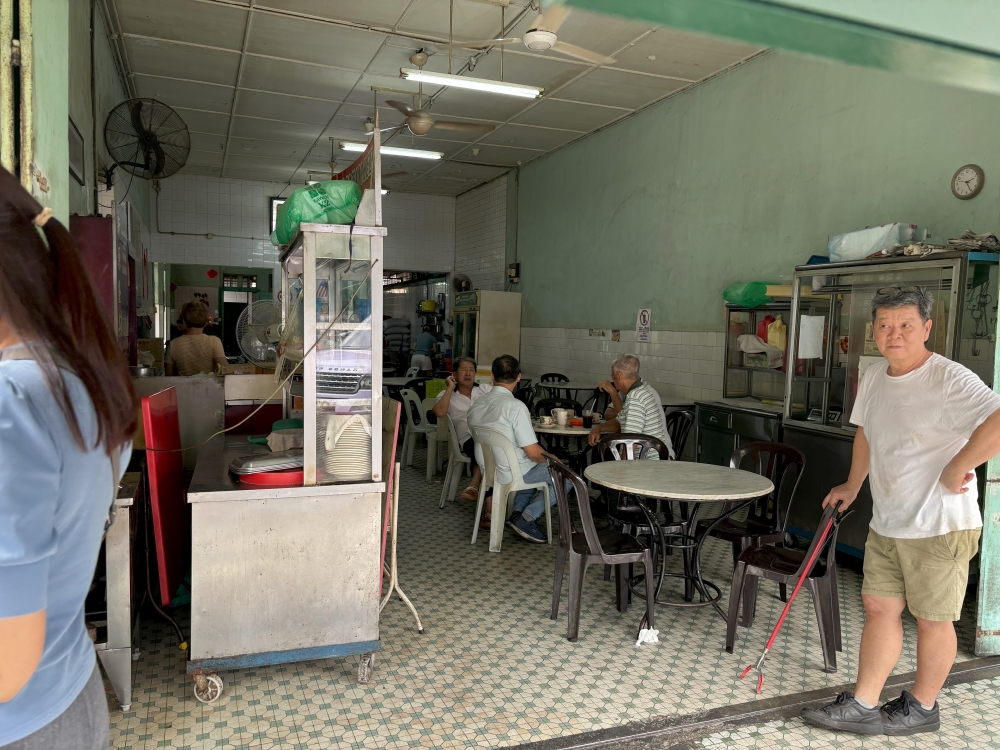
<point>588,418</point>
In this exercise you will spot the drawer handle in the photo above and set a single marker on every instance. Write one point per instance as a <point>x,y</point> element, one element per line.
<point>713,419</point>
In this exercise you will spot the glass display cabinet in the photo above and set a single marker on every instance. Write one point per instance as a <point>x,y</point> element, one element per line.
<point>832,335</point>
<point>747,374</point>
<point>332,300</point>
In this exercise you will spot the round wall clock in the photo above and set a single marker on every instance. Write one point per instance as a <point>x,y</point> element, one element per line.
<point>968,182</point>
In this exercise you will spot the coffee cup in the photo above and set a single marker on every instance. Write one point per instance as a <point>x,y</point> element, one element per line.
<point>545,420</point>
<point>561,416</point>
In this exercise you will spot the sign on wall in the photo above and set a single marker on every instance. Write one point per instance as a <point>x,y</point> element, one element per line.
<point>642,321</point>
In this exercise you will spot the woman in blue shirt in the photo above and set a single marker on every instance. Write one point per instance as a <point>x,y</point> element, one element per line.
<point>67,408</point>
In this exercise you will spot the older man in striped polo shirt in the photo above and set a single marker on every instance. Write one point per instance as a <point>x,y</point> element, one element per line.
<point>640,410</point>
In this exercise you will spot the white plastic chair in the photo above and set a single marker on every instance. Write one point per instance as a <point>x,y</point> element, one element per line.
<point>457,462</point>
<point>413,372</point>
<point>419,425</point>
<point>494,444</point>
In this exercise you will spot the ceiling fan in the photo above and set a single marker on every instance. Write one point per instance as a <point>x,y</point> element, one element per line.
<point>540,37</point>
<point>419,121</point>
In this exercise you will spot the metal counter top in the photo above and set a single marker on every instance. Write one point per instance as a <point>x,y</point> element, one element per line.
<point>212,480</point>
<point>745,404</point>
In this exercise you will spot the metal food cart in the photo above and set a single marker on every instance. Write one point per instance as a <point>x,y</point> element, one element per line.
<point>291,574</point>
<point>832,339</point>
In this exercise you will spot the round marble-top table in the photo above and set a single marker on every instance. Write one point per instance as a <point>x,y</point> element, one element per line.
<point>689,483</point>
<point>679,480</point>
<point>554,429</point>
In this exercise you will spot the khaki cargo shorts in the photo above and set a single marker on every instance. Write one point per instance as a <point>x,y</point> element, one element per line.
<point>930,574</point>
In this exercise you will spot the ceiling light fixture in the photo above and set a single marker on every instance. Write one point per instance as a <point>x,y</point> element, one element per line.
<point>477,84</point>
<point>393,151</point>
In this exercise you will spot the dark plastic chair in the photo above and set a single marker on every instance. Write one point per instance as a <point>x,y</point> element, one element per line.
<point>786,567</point>
<point>628,515</point>
<point>768,516</point>
<point>598,402</point>
<point>526,396</point>
<point>555,377</point>
<point>587,547</point>
<point>678,426</point>
<point>543,407</point>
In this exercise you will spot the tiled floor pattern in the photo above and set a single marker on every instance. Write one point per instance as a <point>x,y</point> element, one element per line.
<point>492,669</point>
<point>968,720</point>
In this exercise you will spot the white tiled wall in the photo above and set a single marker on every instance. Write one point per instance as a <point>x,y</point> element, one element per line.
<point>481,234</point>
<point>421,231</point>
<point>686,364</point>
<point>421,228</point>
<point>211,205</point>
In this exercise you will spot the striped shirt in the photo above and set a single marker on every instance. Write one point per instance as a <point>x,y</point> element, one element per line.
<point>642,414</point>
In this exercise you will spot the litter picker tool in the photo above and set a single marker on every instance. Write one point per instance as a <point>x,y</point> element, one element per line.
<point>831,519</point>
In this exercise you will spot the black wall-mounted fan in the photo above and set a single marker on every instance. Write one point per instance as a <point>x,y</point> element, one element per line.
<point>147,138</point>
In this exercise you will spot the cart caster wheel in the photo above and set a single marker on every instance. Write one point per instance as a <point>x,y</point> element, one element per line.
<point>207,688</point>
<point>365,668</point>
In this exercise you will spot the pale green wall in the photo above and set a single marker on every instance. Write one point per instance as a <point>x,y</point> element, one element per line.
<point>50,184</point>
<point>109,92</point>
<point>740,179</point>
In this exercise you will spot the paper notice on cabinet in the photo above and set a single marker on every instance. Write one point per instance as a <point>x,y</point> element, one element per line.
<point>811,336</point>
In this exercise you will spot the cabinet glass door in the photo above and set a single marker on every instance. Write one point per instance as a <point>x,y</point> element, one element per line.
<point>471,331</point>
<point>458,341</point>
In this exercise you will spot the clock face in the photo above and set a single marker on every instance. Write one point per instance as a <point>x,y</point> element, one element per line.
<point>967,182</point>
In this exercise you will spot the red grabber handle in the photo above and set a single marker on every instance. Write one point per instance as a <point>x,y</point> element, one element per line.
<point>745,672</point>
<point>795,592</point>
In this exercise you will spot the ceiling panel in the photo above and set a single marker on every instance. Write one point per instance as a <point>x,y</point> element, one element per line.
<point>288,132</point>
<point>185,93</point>
<point>619,89</point>
<point>544,139</point>
<point>684,55</point>
<point>325,44</point>
<point>288,108</point>
<point>473,19</point>
<point>498,155</point>
<point>377,12</point>
<point>205,158</point>
<point>205,122</point>
<point>199,169</point>
<point>260,173</point>
<point>468,171</point>
<point>553,113</point>
<point>297,78</point>
<point>267,149</point>
<point>217,25</point>
<point>396,54</point>
<point>207,142</point>
<point>182,61</point>
<point>447,147</point>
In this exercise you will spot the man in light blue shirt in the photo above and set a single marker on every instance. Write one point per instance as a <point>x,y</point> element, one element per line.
<point>499,410</point>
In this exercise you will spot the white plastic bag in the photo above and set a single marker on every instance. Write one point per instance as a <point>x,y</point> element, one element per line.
<point>751,344</point>
<point>861,243</point>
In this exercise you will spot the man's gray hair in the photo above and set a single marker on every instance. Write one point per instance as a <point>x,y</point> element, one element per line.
<point>903,295</point>
<point>626,365</point>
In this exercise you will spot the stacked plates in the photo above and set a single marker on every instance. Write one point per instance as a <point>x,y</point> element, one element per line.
<point>348,448</point>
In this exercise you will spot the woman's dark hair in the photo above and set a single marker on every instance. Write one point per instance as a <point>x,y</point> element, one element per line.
<point>47,300</point>
<point>194,315</point>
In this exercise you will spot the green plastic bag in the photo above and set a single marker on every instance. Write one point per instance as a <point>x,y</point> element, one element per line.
<point>330,202</point>
<point>752,294</point>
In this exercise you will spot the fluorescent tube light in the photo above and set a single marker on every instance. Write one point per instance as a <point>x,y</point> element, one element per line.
<point>393,151</point>
<point>384,191</point>
<point>477,84</point>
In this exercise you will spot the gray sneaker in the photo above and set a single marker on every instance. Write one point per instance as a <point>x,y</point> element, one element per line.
<point>905,715</point>
<point>846,715</point>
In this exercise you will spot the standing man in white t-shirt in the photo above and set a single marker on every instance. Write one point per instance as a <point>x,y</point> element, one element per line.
<point>924,424</point>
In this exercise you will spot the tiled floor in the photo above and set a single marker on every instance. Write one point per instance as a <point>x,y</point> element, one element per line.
<point>492,669</point>
<point>968,720</point>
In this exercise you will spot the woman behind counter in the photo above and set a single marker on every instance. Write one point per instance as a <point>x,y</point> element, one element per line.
<point>67,414</point>
<point>194,351</point>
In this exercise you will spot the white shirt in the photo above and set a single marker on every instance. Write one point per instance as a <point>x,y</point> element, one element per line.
<point>915,424</point>
<point>458,409</point>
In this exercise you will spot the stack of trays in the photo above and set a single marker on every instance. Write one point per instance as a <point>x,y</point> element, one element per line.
<point>282,460</point>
